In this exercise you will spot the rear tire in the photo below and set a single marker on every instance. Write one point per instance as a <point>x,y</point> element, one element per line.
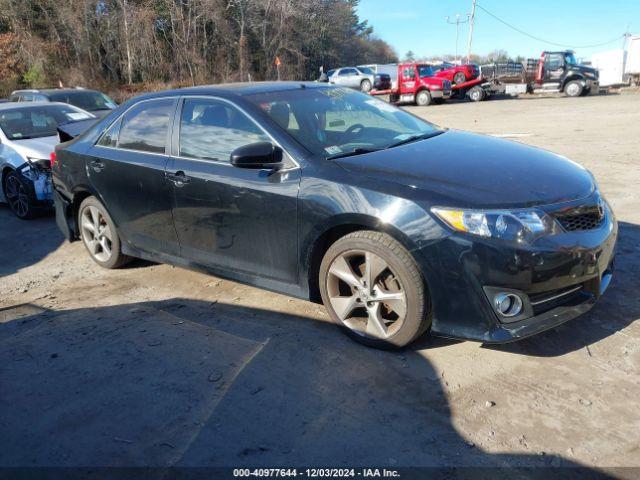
<point>17,194</point>
<point>476,94</point>
<point>365,86</point>
<point>423,98</point>
<point>362,270</point>
<point>573,89</point>
<point>99,235</point>
<point>459,78</point>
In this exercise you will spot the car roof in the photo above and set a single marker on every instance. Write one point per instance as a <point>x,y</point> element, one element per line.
<point>47,91</point>
<point>230,90</point>
<point>20,105</point>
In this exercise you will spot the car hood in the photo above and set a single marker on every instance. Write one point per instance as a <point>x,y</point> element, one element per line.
<point>39,148</point>
<point>468,170</point>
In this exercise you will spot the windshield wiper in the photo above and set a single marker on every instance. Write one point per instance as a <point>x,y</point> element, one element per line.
<point>415,138</point>
<point>355,151</point>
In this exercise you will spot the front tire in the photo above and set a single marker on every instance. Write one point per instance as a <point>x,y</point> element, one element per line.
<point>16,192</point>
<point>573,89</point>
<point>423,98</point>
<point>99,234</point>
<point>365,86</point>
<point>372,288</point>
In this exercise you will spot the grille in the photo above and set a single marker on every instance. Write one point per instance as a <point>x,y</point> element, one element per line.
<point>583,221</point>
<point>543,302</point>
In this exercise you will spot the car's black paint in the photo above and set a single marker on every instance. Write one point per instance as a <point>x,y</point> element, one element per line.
<point>270,227</point>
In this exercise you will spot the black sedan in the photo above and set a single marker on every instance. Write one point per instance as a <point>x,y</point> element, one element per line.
<point>327,194</point>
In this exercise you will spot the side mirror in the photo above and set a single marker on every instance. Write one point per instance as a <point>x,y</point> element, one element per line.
<point>257,155</point>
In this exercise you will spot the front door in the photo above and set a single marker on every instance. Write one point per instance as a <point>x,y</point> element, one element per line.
<point>553,67</point>
<point>127,169</point>
<point>237,219</point>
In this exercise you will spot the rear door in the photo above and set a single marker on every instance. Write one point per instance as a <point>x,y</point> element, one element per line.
<point>127,169</point>
<point>237,219</point>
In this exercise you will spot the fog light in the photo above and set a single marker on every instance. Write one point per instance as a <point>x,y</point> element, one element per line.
<point>507,304</point>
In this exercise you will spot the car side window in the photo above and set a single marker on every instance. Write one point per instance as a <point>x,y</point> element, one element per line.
<point>347,72</point>
<point>211,129</point>
<point>110,137</point>
<point>145,126</point>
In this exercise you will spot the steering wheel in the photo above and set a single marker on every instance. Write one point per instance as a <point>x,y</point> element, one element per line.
<point>356,129</point>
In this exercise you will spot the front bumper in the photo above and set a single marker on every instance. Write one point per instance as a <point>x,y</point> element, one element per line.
<point>443,94</point>
<point>559,278</point>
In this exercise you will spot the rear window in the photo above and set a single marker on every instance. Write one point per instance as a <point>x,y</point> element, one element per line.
<point>39,121</point>
<point>85,99</point>
<point>146,125</point>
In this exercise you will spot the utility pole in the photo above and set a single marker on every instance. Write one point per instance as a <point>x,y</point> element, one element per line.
<point>457,24</point>
<point>472,17</point>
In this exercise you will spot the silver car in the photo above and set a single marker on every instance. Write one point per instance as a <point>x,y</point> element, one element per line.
<point>360,78</point>
<point>28,136</point>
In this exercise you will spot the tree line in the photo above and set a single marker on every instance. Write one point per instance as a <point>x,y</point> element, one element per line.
<point>143,44</point>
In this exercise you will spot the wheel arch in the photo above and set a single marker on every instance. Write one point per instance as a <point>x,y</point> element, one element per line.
<point>80,193</point>
<point>571,78</point>
<point>320,241</point>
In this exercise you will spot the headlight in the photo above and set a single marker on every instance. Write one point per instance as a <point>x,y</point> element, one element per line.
<point>435,87</point>
<point>521,225</point>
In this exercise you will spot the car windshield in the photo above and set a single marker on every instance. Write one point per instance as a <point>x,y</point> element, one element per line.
<point>570,59</point>
<point>337,121</point>
<point>85,99</point>
<point>425,71</point>
<point>37,121</point>
<point>366,70</point>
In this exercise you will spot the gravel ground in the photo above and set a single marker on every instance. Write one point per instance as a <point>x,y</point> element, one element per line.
<point>160,366</point>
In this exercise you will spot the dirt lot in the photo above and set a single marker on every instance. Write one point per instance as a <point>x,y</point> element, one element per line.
<point>155,365</point>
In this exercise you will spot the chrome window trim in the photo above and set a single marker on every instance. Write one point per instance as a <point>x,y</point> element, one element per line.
<point>121,116</point>
<point>184,97</point>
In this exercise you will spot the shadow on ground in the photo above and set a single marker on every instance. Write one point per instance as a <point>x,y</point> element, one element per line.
<point>188,383</point>
<point>25,242</point>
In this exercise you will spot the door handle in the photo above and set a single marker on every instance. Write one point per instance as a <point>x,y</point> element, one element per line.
<point>179,179</point>
<point>97,165</point>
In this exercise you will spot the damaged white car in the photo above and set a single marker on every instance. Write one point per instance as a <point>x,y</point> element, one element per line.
<point>28,135</point>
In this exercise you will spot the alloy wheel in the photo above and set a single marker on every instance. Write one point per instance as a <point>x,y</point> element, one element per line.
<point>17,196</point>
<point>366,295</point>
<point>96,233</point>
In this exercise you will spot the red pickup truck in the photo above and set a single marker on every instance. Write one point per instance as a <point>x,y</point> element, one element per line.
<point>416,83</point>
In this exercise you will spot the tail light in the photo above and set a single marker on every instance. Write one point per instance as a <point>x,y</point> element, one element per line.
<point>52,158</point>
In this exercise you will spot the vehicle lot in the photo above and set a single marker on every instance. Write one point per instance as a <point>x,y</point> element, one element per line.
<point>155,365</point>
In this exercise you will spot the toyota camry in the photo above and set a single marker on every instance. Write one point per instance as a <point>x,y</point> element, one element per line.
<point>397,225</point>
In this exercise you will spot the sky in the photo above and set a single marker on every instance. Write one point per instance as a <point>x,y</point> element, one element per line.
<point>420,26</point>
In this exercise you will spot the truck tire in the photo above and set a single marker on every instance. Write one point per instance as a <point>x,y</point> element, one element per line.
<point>476,94</point>
<point>459,78</point>
<point>573,88</point>
<point>365,86</point>
<point>423,98</point>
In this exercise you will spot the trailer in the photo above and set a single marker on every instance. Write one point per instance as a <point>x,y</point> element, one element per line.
<point>632,68</point>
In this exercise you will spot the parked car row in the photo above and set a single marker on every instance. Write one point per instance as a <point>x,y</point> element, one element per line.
<point>28,135</point>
